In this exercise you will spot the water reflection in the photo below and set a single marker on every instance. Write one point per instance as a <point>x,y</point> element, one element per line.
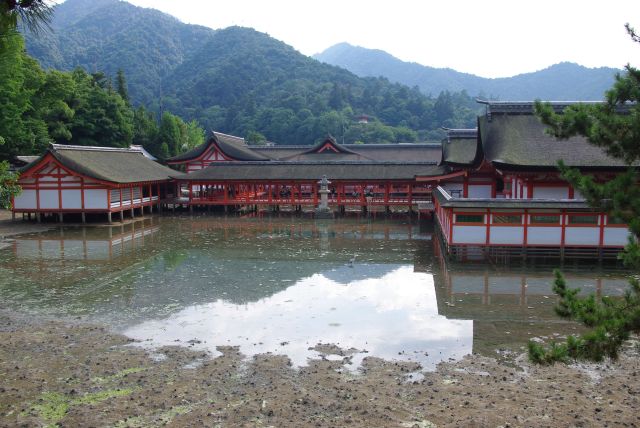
<point>284,285</point>
<point>393,315</point>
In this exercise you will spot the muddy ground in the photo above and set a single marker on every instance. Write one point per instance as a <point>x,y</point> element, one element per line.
<point>66,373</point>
<point>71,374</point>
<point>10,228</point>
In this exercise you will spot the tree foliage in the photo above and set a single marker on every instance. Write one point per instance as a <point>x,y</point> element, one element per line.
<point>613,125</point>
<point>238,80</point>
<point>8,185</point>
<point>34,15</point>
<point>39,107</point>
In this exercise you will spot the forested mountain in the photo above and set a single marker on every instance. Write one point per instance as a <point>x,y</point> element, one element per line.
<point>107,35</point>
<point>238,80</point>
<point>561,82</point>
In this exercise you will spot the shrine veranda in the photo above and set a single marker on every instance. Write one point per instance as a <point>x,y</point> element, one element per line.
<point>496,187</point>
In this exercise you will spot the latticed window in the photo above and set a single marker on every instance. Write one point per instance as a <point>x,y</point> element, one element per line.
<point>469,218</point>
<point>545,219</point>
<point>507,219</point>
<point>583,219</point>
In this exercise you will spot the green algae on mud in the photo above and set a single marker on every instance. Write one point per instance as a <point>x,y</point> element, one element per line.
<point>52,407</point>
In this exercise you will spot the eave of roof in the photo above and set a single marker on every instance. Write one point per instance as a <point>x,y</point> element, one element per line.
<point>107,164</point>
<point>445,200</point>
<point>277,170</point>
<point>520,141</point>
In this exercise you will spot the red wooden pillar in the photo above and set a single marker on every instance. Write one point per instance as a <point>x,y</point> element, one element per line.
<point>488,220</point>
<point>450,226</point>
<point>410,194</point>
<point>314,189</point>
<point>526,227</point>
<point>465,186</point>
<point>601,241</point>
<point>563,225</point>
<point>387,191</point>
<point>82,196</point>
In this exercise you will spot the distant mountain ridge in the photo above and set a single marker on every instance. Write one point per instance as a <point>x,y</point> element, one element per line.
<point>238,80</point>
<point>560,82</point>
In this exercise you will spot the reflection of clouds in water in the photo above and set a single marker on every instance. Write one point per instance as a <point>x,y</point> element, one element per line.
<point>394,316</point>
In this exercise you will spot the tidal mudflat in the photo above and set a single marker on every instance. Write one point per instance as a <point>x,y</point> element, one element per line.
<point>283,321</point>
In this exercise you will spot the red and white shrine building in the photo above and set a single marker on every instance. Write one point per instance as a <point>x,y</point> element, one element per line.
<point>496,187</point>
<point>85,180</point>
<point>513,199</point>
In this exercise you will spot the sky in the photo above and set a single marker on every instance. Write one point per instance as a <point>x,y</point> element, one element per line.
<point>489,38</point>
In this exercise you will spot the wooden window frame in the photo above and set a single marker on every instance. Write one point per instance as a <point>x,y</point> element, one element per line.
<point>498,214</point>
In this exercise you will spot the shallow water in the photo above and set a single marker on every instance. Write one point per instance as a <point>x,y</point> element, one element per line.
<point>285,285</point>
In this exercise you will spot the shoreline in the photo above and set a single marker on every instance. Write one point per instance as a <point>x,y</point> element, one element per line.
<point>91,376</point>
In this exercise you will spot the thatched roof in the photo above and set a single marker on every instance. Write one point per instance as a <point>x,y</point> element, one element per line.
<point>276,170</point>
<point>231,146</point>
<point>425,152</point>
<point>519,141</point>
<point>460,148</point>
<point>116,165</point>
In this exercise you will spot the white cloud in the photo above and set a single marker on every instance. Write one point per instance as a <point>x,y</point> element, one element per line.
<point>394,316</point>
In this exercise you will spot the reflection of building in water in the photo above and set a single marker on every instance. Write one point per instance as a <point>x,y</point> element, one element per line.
<point>94,244</point>
<point>283,227</point>
<point>511,304</point>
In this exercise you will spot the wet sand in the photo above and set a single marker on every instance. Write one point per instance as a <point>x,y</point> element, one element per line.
<point>9,228</point>
<point>72,374</point>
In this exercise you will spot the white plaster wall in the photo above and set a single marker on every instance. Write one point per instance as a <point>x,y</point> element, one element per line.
<point>71,199</point>
<point>26,199</point>
<point>551,192</point>
<point>479,191</point>
<point>507,235</point>
<point>582,236</point>
<point>544,235</point>
<point>95,198</point>
<point>452,186</point>
<point>469,234</point>
<point>49,199</point>
<point>616,236</point>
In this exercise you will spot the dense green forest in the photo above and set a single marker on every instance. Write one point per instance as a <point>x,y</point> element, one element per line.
<point>39,107</point>
<point>238,80</point>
